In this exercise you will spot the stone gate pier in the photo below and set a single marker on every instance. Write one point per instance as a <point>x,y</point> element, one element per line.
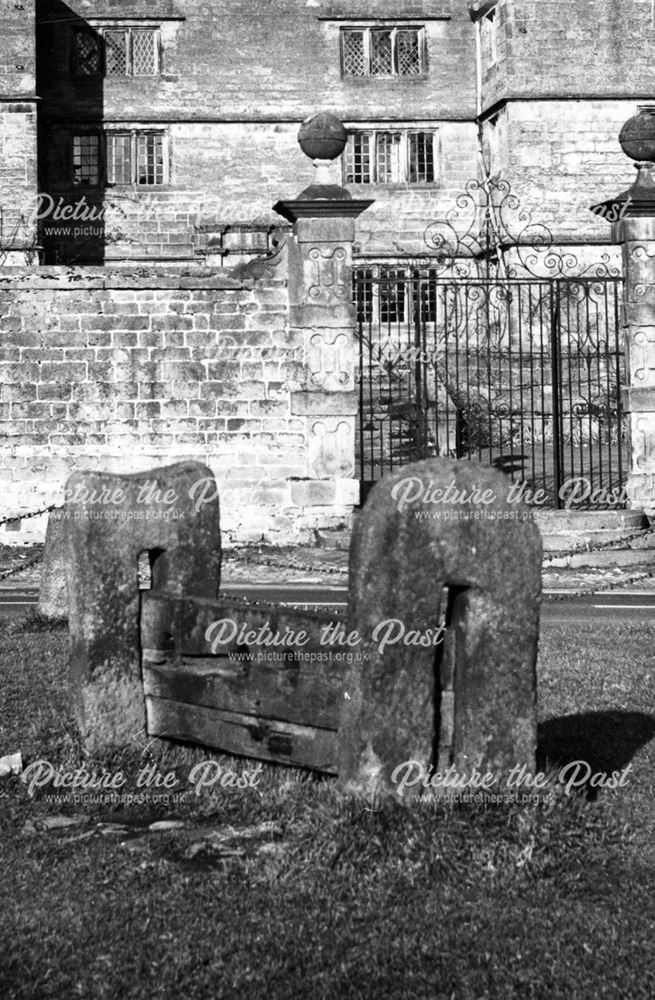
<point>322,319</point>
<point>634,229</point>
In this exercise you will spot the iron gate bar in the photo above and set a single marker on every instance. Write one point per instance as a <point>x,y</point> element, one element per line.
<point>556,376</point>
<point>618,371</point>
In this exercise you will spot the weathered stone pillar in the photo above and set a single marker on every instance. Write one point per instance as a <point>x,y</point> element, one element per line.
<point>322,319</point>
<point>633,216</point>
<point>638,238</point>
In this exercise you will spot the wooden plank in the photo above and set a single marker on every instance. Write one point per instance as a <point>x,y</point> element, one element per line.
<point>294,690</point>
<point>191,626</point>
<point>249,736</point>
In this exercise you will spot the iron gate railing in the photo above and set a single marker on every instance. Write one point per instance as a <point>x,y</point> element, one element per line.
<point>521,373</point>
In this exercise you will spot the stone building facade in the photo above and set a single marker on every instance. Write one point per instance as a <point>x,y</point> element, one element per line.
<point>558,81</point>
<point>143,144</point>
<point>174,119</point>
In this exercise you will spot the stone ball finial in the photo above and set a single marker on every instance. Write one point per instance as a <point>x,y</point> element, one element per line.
<point>637,138</point>
<point>322,137</point>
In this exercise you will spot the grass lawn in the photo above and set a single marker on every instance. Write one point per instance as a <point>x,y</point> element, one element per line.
<point>285,891</point>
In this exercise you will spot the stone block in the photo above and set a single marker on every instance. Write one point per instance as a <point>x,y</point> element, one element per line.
<point>313,492</point>
<point>331,360</point>
<point>347,492</point>
<point>325,230</point>
<point>331,448</point>
<point>315,403</point>
<point>639,399</point>
<point>170,513</point>
<point>409,543</point>
<point>53,593</point>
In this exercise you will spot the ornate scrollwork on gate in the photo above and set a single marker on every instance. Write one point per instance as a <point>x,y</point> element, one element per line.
<point>489,234</point>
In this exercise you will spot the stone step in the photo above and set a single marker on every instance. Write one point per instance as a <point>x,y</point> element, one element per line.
<point>606,558</point>
<point>566,532</point>
<point>571,542</point>
<point>561,521</point>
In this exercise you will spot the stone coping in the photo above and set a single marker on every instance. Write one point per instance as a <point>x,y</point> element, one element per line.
<point>139,276</point>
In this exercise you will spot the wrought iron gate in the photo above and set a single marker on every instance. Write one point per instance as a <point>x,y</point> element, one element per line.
<point>521,373</point>
<point>496,346</point>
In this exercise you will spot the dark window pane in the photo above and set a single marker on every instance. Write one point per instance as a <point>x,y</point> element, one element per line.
<point>381,53</point>
<point>409,55</point>
<point>392,297</point>
<point>86,159</point>
<point>421,157</point>
<point>149,159</point>
<point>358,159</point>
<point>87,53</point>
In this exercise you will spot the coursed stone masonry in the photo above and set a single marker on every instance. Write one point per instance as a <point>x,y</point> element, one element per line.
<point>128,369</point>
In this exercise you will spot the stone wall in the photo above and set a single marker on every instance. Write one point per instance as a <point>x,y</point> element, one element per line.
<point>563,75</point>
<point>124,370</point>
<point>18,176</point>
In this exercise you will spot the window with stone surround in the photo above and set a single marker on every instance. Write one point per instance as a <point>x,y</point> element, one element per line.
<point>117,158</point>
<point>383,51</point>
<point>116,51</point>
<point>395,156</point>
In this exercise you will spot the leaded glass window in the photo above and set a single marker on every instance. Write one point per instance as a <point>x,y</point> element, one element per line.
<point>383,51</point>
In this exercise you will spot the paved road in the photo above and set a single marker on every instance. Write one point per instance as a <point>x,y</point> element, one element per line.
<point>557,606</point>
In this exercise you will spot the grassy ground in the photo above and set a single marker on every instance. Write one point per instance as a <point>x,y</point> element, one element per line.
<point>285,891</point>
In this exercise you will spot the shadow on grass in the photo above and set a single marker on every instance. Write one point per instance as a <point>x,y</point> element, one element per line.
<point>606,741</point>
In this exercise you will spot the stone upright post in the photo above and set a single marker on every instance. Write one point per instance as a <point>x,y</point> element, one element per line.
<point>322,319</point>
<point>633,216</point>
<point>638,238</point>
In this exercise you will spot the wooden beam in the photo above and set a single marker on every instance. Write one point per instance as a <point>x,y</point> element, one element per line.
<point>295,691</point>
<point>237,733</point>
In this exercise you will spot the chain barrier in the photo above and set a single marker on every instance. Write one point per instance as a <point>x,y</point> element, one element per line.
<point>34,513</point>
<point>582,591</point>
<point>305,568</point>
<point>27,564</point>
<point>605,588</point>
<point>612,544</point>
